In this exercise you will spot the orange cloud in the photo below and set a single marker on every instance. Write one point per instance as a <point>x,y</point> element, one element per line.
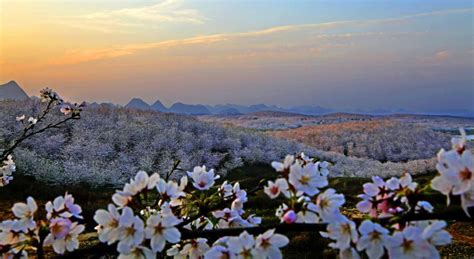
<point>80,56</point>
<point>442,55</point>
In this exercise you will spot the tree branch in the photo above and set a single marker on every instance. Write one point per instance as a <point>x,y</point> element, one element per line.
<point>25,136</point>
<point>458,215</point>
<point>279,228</point>
<point>220,205</point>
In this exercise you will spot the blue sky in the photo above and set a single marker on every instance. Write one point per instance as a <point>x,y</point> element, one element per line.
<point>413,55</point>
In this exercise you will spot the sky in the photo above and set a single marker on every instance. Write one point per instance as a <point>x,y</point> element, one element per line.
<point>353,54</point>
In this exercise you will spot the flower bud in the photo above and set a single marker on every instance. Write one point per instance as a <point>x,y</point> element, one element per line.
<point>289,217</point>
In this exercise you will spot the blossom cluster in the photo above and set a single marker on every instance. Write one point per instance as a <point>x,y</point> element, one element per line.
<point>7,166</point>
<point>72,109</point>
<point>27,123</point>
<point>48,95</point>
<point>6,171</point>
<point>143,226</point>
<point>266,245</point>
<point>150,213</point>
<point>382,199</point>
<point>305,202</point>
<point>385,199</point>
<point>234,216</point>
<point>60,228</point>
<point>129,222</point>
<point>456,172</point>
<point>302,179</point>
<point>416,239</point>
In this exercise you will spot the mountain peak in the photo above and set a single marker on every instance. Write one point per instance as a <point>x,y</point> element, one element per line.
<point>138,103</point>
<point>190,109</point>
<point>12,91</point>
<point>158,106</point>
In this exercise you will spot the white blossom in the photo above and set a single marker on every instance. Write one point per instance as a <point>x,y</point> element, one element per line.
<point>217,252</point>
<point>280,167</point>
<point>6,170</point>
<point>64,235</point>
<point>328,204</point>
<point>467,200</point>
<point>161,229</point>
<point>202,179</point>
<point>32,121</point>
<point>63,206</point>
<point>349,253</point>
<point>307,178</point>
<point>10,233</point>
<point>424,206</point>
<point>373,239</point>
<point>226,190</point>
<point>274,189</point>
<point>406,181</point>
<point>195,249</point>
<point>408,244</point>
<point>108,228</point>
<point>131,231</point>
<point>25,213</point>
<point>342,231</point>
<point>323,168</point>
<point>268,244</point>
<point>456,169</point>
<point>169,190</point>
<point>138,252</point>
<point>20,118</point>
<point>436,235</point>
<point>121,199</point>
<point>242,246</point>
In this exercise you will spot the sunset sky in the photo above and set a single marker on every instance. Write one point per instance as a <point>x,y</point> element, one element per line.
<point>415,55</point>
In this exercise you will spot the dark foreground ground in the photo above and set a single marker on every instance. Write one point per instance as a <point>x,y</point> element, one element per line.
<point>302,245</point>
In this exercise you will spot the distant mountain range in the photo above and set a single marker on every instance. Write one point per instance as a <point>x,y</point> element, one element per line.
<point>223,109</point>
<point>12,91</point>
<point>235,109</point>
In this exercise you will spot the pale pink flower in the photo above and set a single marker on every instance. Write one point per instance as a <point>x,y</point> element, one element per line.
<point>274,189</point>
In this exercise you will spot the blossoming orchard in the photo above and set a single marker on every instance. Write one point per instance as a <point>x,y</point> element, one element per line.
<point>193,215</point>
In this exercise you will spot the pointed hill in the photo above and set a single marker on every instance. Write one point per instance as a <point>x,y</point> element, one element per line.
<point>190,109</point>
<point>138,103</point>
<point>158,106</point>
<point>12,91</point>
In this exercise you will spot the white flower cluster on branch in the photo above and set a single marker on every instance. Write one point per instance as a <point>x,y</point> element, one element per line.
<point>456,169</point>
<point>144,226</point>
<point>266,245</point>
<point>59,228</point>
<point>7,170</point>
<point>301,180</point>
<point>149,213</point>
<point>389,199</point>
<point>30,128</point>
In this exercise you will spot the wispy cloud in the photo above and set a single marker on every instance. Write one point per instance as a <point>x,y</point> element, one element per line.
<point>166,11</point>
<point>442,55</point>
<point>79,56</point>
<point>331,25</point>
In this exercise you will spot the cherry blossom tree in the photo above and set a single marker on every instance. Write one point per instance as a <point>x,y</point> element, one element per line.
<point>189,215</point>
<point>35,125</point>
